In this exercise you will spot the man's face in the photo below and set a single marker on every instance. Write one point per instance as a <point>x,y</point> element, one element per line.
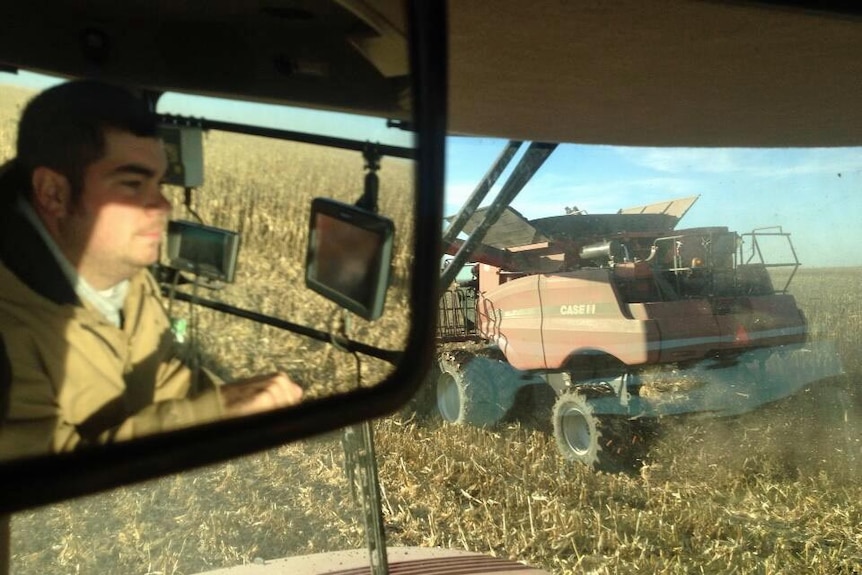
<point>116,226</point>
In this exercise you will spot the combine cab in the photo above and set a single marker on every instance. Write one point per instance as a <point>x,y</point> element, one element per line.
<point>627,319</point>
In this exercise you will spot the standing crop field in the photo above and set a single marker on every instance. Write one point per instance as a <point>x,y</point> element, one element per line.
<point>265,194</point>
<point>774,491</point>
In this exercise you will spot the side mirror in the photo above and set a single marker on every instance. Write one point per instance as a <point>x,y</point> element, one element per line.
<point>402,89</point>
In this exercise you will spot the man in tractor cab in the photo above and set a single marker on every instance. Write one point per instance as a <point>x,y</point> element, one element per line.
<point>86,351</point>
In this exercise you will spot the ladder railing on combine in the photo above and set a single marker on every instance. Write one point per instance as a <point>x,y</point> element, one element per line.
<point>755,251</point>
<point>457,319</point>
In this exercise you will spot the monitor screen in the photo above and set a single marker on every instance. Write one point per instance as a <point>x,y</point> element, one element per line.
<point>202,250</point>
<point>349,256</point>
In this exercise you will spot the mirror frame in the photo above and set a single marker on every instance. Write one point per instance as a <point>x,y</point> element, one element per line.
<point>30,482</point>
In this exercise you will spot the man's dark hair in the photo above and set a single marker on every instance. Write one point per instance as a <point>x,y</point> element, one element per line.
<point>63,128</point>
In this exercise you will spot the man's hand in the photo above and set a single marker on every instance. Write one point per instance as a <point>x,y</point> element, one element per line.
<point>261,393</point>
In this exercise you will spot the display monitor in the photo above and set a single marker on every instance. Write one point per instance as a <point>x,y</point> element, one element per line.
<point>349,256</point>
<point>203,250</point>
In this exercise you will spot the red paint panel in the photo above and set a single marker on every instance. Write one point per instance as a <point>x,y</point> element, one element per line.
<point>511,316</point>
<point>760,321</point>
<point>582,314</point>
<point>688,328</point>
<point>539,321</point>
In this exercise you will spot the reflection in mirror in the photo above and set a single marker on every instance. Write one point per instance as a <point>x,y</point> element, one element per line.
<point>349,256</point>
<point>203,251</point>
<point>228,327</point>
<point>261,188</point>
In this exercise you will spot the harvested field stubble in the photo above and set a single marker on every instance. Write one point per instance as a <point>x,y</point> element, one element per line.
<point>775,491</point>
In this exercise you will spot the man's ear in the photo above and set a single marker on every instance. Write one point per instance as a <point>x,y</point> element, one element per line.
<point>52,194</point>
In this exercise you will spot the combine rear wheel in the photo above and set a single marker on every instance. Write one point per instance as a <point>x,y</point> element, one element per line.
<point>604,442</point>
<point>474,390</point>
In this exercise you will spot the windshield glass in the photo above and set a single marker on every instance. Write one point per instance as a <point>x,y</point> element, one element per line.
<point>740,420</point>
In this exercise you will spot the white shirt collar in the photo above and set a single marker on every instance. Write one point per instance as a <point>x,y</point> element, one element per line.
<point>109,302</point>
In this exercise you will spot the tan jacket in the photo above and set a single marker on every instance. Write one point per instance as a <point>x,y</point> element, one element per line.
<point>76,379</point>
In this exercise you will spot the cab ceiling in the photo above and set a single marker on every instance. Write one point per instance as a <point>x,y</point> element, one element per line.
<point>668,72</point>
<point>318,53</point>
<point>628,72</point>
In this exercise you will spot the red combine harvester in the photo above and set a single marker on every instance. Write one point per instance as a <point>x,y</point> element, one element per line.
<point>625,317</point>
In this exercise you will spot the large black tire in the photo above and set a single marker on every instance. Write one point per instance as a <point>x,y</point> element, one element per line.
<point>474,390</point>
<point>606,443</point>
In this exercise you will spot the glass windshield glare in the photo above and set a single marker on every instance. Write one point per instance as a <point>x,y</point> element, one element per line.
<point>752,490</point>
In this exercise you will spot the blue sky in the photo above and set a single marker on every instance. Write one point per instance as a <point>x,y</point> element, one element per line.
<point>815,194</point>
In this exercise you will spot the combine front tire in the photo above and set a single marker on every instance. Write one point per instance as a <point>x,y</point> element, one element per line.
<point>470,390</point>
<point>576,429</point>
<point>606,443</point>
